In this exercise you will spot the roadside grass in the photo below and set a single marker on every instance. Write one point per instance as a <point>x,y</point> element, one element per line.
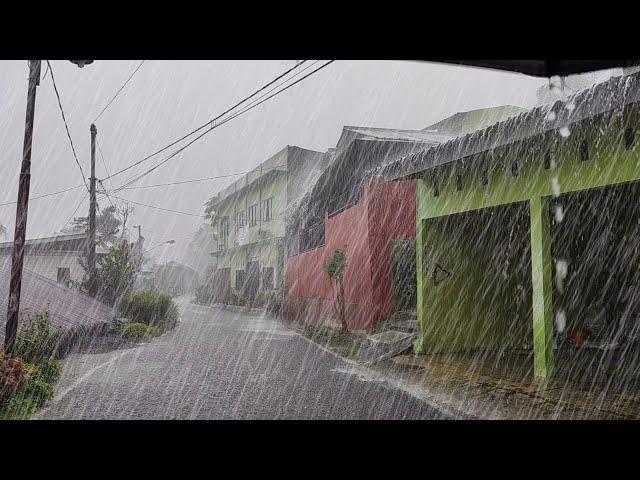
<point>345,344</point>
<point>27,378</point>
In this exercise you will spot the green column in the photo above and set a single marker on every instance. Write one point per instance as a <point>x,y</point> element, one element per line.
<point>421,281</point>
<point>541,276</point>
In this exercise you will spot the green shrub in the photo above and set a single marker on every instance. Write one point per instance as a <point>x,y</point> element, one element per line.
<point>150,308</point>
<point>38,341</point>
<point>137,332</point>
<point>36,388</point>
<point>19,406</point>
<point>49,371</point>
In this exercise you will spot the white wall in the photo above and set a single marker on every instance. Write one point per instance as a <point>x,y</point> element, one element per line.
<point>47,265</point>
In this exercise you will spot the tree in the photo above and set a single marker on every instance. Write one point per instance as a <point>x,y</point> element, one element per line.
<point>110,224</point>
<point>335,267</point>
<point>198,252</point>
<point>210,212</point>
<point>116,271</point>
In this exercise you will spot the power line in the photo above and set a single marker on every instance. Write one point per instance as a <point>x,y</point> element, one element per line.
<point>183,182</point>
<point>118,92</point>
<point>104,163</point>
<point>44,195</point>
<point>74,212</point>
<point>67,126</point>
<point>209,122</point>
<point>246,109</point>
<point>159,208</point>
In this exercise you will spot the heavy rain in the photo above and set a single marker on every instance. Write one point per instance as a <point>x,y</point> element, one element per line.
<point>318,239</point>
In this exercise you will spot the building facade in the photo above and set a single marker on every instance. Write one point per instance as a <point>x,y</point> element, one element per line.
<point>250,227</point>
<point>372,220</point>
<point>508,256</point>
<point>56,258</point>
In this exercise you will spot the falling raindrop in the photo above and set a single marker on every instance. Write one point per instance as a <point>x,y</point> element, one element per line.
<point>555,186</point>
<point>562,269</point>
<point>561,321</point>
<point>559,213</point>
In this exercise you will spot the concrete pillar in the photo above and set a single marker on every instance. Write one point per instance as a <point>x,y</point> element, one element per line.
<point>542,278</point>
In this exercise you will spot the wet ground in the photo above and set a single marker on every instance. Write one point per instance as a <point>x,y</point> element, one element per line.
<point>220,364</point>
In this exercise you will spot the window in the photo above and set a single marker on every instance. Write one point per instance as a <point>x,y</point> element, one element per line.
<point>251,213</point>
<point>240,280</point>
<point>64,275</point>
<point>267,209</point>
<point>240,219</point>
<point>224,233</point>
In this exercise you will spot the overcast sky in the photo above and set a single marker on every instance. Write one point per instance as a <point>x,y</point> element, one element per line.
<point>166,99</point>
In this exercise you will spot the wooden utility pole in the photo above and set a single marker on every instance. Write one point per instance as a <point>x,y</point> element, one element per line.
<point>17,258</point>
<point>91,253</point>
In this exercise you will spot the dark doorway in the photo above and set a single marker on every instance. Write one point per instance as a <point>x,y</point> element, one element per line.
<point>252,283</point>
<point>403,270</point>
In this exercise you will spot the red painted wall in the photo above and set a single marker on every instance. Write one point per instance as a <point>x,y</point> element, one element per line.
<point>365,231</point>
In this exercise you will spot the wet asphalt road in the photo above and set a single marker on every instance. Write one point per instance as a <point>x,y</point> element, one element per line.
<point>219,364</point>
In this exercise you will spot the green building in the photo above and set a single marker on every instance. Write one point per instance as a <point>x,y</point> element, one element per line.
<point>527,230</point>
<point>249,224</point>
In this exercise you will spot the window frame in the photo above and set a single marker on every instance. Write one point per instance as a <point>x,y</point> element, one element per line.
<point>267,209</point>
<point>252,217</point>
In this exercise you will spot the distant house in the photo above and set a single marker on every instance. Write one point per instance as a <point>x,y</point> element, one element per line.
<point>56,258</point>
<point>174,278</point>
<point>250,222</point>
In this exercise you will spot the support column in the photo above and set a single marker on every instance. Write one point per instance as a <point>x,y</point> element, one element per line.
<point>542,284</point>
<point>421,280</point>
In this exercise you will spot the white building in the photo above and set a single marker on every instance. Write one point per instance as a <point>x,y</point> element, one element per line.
<point>56,258</point>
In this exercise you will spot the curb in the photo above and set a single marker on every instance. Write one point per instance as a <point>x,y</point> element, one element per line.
<point>415,392</point>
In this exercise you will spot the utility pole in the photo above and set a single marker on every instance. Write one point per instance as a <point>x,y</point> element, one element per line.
<point>91,253</point>
<point>17,258</point>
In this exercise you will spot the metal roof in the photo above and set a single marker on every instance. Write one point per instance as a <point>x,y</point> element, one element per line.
<point>69,308</point>
<point>604,97</point>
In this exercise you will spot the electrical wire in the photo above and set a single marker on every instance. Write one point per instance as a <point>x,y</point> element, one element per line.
<point>159,208</point>
<point>45,195</point>
<point>246,109</point>
<point>195,180</point>
<point>118,92</point>
<point>67,126</point>
<point>209,122</point>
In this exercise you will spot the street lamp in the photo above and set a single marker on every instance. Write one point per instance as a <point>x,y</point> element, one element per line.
<point>20,232</point>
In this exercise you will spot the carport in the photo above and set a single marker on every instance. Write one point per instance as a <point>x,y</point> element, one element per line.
<point>585,143</point>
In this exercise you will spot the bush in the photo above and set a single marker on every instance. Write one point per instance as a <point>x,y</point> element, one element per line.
<point>19,406</point>
<point>138,332</point>
<point>12,374</point>
<point>49,371</point>
<point>38,341</point>
<point>150,308</point>
<point>36,388</point>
